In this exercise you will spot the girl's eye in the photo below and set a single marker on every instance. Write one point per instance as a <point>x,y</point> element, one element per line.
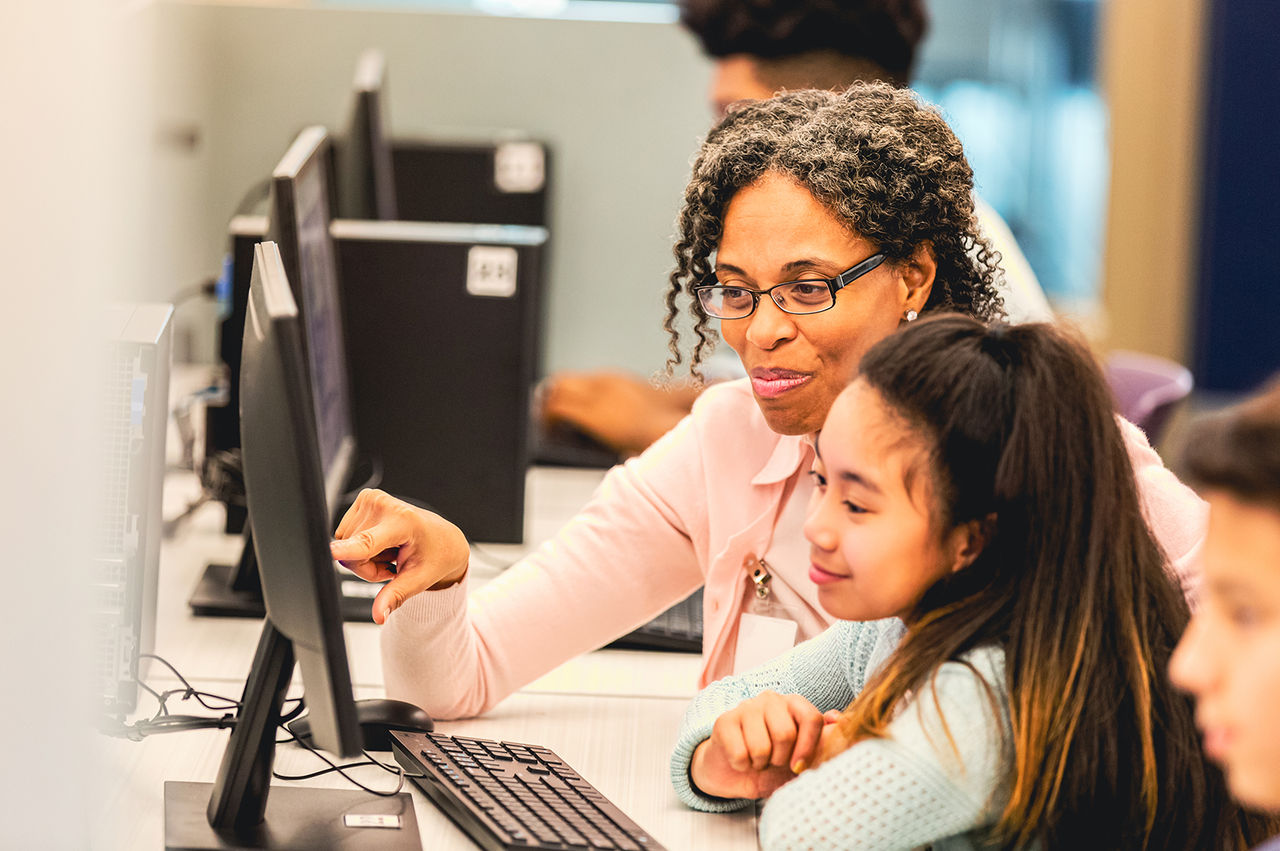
<point>854,508</point>
<point>819,480</point>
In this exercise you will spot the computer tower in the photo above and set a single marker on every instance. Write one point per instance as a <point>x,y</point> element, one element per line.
<point>499,181</point>
<point>135,405</point>
<point>442,336</point>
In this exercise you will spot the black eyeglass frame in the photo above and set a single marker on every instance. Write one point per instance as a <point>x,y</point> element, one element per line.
<point>839,282</point>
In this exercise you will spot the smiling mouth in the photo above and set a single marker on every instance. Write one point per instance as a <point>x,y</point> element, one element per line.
<point>772,383</point>
<point>819,576</point>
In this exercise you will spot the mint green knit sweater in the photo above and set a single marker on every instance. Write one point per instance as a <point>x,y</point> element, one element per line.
<point>905,791</point>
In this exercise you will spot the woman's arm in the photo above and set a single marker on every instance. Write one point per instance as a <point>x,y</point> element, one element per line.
<point>929,779</point>
<point>625,558</point>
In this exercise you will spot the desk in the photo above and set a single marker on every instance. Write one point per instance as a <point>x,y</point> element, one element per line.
<point>619,744</point>
<point>611,714</point>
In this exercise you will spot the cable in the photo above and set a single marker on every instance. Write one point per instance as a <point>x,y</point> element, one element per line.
<point>149,690</point>
<point>295,711</point>
<point>188,691</point>
<point>139,730</point>
<point>320,773</point>
<point>390,769</point>
<point>163,722</point>
<point>200,698</point>
<point>342,769</point>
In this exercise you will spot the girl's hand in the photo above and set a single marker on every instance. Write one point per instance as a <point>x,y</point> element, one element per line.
<point>757,746</point>
<point>381,537</point>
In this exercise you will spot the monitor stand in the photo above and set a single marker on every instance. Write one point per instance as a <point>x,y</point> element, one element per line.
<point>241,809</point>
<point>235,590</point>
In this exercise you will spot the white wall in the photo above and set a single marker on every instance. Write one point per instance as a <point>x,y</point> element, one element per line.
<point>622,105</point>
<point>69,160</point>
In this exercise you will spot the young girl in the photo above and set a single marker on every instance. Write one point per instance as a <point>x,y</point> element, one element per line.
<point>1006,625</point>
<point>1229,657</point>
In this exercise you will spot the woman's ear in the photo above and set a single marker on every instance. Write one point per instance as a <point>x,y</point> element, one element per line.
<point>918,273</point>
<point>968,540</point>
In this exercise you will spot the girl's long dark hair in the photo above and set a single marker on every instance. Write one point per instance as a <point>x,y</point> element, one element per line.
<point>1104,752</point>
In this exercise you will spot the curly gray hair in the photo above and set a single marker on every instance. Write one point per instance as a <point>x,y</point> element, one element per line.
<point>884,163</point>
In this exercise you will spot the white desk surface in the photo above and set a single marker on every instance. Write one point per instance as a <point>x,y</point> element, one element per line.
<point>619,744</point>
<point>611,714</point>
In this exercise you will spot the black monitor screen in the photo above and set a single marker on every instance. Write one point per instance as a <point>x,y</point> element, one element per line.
<point>287,506</point>
<point>288,509</point>
<point>300,223</point>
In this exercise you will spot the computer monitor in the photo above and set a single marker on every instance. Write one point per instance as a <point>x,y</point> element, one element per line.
<point>366,186</point>
<point>285,484</point>
<point>298,222</point>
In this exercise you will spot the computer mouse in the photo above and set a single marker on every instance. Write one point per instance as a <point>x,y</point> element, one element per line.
<point>377,718</point>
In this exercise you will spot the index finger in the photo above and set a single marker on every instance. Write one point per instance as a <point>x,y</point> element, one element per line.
<point>371,506</point>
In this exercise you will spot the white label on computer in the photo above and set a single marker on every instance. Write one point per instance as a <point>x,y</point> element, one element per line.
<point>519,167</point>
<point>491,271</point>
<point>370,820</point>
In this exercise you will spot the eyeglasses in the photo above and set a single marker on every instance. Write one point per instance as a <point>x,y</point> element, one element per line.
<point>810,295</point>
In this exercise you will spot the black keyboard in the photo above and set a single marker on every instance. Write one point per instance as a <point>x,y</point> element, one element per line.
<point>512,796</point>
<point>679,628</point>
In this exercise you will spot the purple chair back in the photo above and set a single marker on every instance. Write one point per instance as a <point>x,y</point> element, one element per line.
<point>1147,388</point>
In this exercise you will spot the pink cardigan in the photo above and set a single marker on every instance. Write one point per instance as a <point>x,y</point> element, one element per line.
<point>687,512</point>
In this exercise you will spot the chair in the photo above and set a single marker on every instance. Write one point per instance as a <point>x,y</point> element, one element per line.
<point>1147,388</point>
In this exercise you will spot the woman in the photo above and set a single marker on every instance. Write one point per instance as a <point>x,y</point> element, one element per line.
<point>864,198</point>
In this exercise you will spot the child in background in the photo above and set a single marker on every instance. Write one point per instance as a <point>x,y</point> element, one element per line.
<point>1229,657</point>
<point>1006,626</point>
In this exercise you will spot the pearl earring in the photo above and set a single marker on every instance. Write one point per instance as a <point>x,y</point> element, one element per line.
<point>911,315</point>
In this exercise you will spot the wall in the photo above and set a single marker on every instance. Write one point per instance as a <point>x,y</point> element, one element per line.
<point>1237,347</point>
<point>1151,67</point>
<point>69,161</point>
<point>621,104</point>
